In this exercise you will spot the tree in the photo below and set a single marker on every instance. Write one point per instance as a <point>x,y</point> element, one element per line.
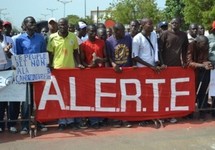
<point>198,11</point>
<point>74,19</point>
<point>174,8</point>
<point>126,10</point>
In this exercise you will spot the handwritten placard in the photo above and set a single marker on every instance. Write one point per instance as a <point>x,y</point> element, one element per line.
<point>31,67</point>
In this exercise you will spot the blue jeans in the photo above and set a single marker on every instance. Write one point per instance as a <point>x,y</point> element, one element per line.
<point>27,106</point>
<point>66,121</point>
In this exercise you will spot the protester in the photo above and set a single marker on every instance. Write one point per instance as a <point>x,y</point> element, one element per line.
<point>7,27</point>
<point>93,55</point>
<point>197,57</point>
<point>119,47</point>
<point>52,25</point>
<point>145,47</point>
<point>102,34</point>
<point>63,51</point>
<point>71,28</point>
<point>201,30</point>
<point>29,42</point>
<point>211,39</point>
<point>109,32</point>
<point>6,43</point>
<point>173,53</point>
<point>192,32</point>
<point>134,28</point>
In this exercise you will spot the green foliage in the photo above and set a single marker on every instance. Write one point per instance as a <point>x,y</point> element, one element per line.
<point>199,11</point>
<point>174,8</point>
<point>126,10</point>
<point>74,19</point>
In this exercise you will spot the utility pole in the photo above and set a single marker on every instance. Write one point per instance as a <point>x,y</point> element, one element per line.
<point>85,9</point>
<point>64,4</point>
<point>52,10</point>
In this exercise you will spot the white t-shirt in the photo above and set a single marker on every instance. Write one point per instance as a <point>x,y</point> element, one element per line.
<point>7,39</point>
<point>142,48</point>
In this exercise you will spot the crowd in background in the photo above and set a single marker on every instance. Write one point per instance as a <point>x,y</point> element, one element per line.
<point>95,45</point>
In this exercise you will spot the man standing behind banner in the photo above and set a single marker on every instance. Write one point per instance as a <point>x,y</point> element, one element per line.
<point>211,39</point>
<point>7,45</point>
<point>197,57</point>
<point>118,48</point>
<point>93,51</point>
<point>173,47</point>
<point>63,51</point>
<point>29,42</point>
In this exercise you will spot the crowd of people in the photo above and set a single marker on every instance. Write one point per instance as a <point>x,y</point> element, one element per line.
<point>90,46</point>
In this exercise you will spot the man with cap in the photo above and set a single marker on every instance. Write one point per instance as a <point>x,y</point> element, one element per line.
<point>211,40</point>
<point>52,25</point>
<point>82,27</point>
<point>163,26</point>
<point>7,27</point>
<point>6,44</point>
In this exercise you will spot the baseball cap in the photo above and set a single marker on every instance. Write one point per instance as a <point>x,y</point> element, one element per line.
<point>163,23</point>
<point>6,23</point>
<point>213,25</point>
<point>52,19</point>
<point>82,25</point>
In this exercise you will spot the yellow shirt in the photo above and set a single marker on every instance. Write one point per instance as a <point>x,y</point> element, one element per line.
<point>63,49</point>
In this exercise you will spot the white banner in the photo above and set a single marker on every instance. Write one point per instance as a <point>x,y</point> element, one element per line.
<point>2,57</point>
<point>212,84</point>
<point>9,90</point>
<point>31,67</point>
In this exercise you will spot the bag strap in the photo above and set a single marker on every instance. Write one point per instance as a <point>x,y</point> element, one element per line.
<point>149,42</point>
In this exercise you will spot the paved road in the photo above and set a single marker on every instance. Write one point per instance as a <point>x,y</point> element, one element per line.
<point>185,135</point>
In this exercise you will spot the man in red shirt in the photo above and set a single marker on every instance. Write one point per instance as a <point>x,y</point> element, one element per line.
<point>93,55</point>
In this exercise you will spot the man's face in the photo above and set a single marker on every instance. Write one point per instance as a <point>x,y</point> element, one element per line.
<point>7,28</point>
<point>193,30</point>
<point>148,26</point>
<point>63,26</point>
<point>102,34</point>
<point>91,32</point>
<point>175,24</point>
<point>201,30</point>
<point>30,24</point>
<point>52,26</point>
<point>134,26</point>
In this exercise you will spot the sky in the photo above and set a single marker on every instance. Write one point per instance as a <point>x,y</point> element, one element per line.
<point>16,10</point>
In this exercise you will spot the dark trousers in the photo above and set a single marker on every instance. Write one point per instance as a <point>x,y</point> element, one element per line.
<point>12,113</point>
<point>203,79</point>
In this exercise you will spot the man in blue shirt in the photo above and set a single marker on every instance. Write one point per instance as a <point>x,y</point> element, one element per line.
<point>29,42</point>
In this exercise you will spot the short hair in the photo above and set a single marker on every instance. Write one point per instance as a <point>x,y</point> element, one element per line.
<point>63,19</point>
<point>26,19</point>
<point>118,26</point>
<point>1,22</point>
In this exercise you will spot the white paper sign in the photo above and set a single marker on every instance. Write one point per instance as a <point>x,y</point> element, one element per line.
<point>2,56</point>
<point>31,67</point>
<point>9,90</point>
<point>212,84</point>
